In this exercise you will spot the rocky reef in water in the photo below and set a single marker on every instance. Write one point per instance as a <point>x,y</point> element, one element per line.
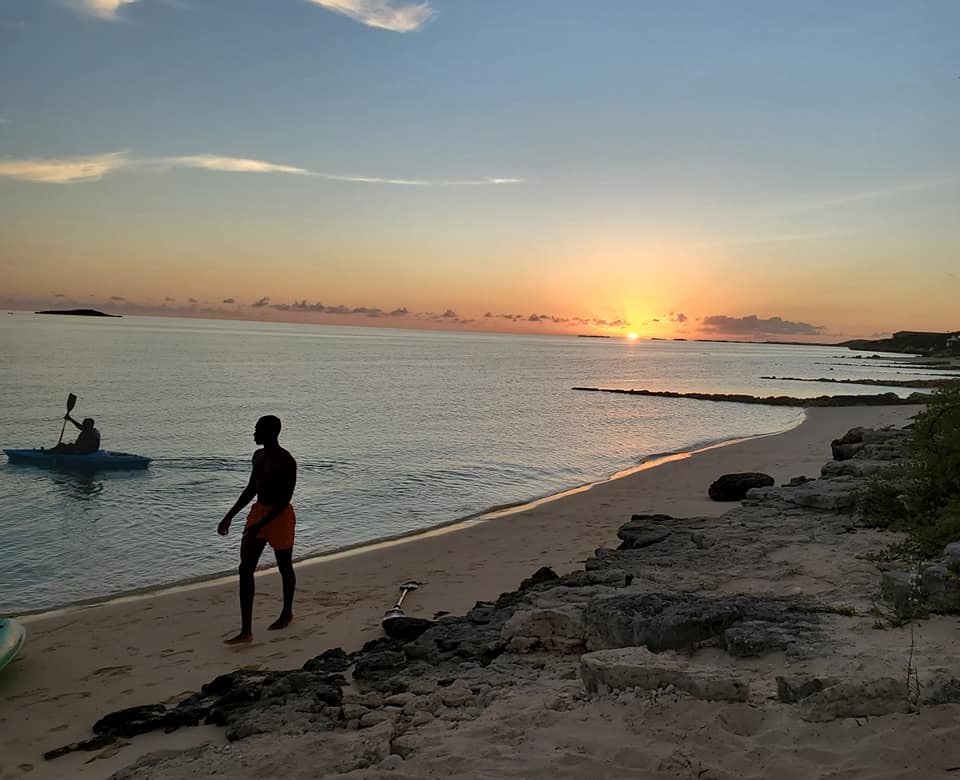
<point>79,313</point>
<point>877,399</point>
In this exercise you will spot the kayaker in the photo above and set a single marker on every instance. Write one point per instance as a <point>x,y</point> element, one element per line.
<point>87,442</point>
<point>271,521</point>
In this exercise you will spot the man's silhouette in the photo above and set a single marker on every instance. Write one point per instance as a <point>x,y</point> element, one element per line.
<point>271,520</point>
<point>87,442</point>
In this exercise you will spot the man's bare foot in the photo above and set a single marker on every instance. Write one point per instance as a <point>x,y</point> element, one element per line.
<point>239,639</point>
<point>281,622</point>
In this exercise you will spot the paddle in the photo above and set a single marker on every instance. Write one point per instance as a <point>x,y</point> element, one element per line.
<point>71,402</point>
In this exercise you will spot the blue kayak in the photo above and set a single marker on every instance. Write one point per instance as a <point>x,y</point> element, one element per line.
<point>100,460</point>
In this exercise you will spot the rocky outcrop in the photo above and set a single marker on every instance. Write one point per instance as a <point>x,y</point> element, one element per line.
<point>885,444</point>
<point>734,487</point>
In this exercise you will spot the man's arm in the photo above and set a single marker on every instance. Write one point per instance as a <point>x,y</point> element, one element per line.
<point>287,482</point>
<point>68,417</point>
<point>249,492</point>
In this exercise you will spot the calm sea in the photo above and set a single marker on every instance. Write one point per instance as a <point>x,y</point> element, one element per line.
<point>394,430</point>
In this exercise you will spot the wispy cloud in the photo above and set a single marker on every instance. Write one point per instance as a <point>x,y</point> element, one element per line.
<point>390,15</point>
<point>382,14</point>
<point>102,9</point>
<point>4,120</point>
<point>66,170</point>
<point>212,162</point>
<point>63,170</point>
<point>850,197</point>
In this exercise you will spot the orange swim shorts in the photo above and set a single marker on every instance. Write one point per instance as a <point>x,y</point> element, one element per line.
<point>279,532</point>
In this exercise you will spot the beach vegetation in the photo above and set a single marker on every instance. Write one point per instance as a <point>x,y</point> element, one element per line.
<point>921,495</point>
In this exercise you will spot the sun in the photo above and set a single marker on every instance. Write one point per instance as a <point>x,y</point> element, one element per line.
<point>632,336</point>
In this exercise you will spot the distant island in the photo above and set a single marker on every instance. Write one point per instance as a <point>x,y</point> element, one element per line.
<point>911,341</point>
<point>903,341</point>
<point>79,313</point>
<point>591,336</point>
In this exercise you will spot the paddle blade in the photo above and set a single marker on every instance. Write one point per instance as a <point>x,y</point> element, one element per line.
<point>71,402</point>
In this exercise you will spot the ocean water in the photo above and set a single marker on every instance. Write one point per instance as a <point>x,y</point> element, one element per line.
<point>393,430</point>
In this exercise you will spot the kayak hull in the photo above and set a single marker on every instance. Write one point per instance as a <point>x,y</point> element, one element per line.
<point>12,637</point>
<point>102,460</point>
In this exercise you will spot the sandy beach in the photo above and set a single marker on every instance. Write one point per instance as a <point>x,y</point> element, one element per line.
<point>82,663</point>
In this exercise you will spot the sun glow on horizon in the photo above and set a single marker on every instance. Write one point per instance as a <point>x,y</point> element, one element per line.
<point>632,336</point>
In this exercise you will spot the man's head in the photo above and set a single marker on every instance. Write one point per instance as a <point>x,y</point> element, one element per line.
<point>267,430</point>
<point>88,424</point>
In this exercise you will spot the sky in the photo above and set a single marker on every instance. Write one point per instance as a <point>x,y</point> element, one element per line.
<point>744,169</point>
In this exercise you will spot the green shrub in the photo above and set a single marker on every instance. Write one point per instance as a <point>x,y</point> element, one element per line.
<point>922,495</point>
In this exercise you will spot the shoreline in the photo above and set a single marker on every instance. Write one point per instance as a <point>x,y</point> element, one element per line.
<point>489,514</point>
<point>77,667</point>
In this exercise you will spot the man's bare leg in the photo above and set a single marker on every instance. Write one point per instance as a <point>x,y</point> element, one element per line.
<point>250,551</point>
<point>285,565</point>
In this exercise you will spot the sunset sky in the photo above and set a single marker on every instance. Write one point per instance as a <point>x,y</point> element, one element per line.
<point>768,170</point>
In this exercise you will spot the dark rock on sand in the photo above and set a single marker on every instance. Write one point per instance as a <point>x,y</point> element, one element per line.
<point>541,575</point>
<point>404,628</point>
<point>734,487</point>
<point>330,661</point>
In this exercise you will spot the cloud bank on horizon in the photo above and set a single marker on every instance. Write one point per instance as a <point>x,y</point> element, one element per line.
<point>381,14</point>
<point>753,325</point>
<point>69,170</point>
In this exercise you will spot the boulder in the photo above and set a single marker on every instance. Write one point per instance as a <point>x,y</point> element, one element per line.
<point>951,554</point>
<point>734,487</point>
<point>847,445</point>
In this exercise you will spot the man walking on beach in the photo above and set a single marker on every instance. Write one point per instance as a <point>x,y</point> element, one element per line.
<point>271,520</point>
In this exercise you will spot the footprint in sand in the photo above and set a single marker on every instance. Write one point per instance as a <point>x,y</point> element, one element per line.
<point>67,696</point>
<point>169,652</point>
<point>110,671</point>
<point>31,692</point>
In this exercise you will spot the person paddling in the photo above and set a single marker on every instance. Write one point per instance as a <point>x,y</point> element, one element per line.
<point>271,521</point>
<point>87,442</point>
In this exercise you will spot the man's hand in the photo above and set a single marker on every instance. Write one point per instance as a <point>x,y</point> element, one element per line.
<point>224,528</point>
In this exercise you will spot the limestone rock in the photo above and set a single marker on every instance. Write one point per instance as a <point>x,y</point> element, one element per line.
<point>884,696</point>
<point>644,531</point>
<point>559,629</point>
<point>951,553</point>
<point>941,690</point>
<point>635,667</point>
